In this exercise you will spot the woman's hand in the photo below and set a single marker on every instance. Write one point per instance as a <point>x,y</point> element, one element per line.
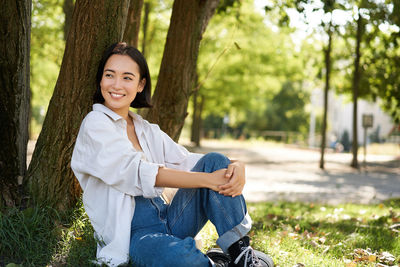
<point>218,178</point>
<point>237,179</point>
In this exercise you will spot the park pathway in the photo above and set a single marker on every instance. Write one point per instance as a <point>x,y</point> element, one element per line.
<point>279,172</point>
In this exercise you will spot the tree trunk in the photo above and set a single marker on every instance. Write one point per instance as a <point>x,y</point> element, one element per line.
<point>327,55</point>
<point>189,20</point>
<point>68,8</point>
<point>356,84</point>
<point>147,7</point>
<point>196,118</point>
<point>95,26</point>
<point>131,34</point>
<point>15,32</point>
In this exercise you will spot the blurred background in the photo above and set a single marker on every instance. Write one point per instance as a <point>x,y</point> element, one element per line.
<point>262,69</point>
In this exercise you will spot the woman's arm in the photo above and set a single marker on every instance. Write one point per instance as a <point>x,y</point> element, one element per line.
<point>167,177</point>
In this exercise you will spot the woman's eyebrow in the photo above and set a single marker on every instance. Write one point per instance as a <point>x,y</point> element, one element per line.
<point>127,72</point>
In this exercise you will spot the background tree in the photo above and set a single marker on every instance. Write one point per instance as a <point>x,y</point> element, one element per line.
<point>15,30</point>
<point>131,33</point>
<point>176,78</point>
<point>307,9</point>
<point>68,8</point>
<point>362,29</point>
<point>198,98</point>
<point>95,26</point>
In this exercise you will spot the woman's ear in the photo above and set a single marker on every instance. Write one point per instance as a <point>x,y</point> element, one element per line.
<point>142,84</point>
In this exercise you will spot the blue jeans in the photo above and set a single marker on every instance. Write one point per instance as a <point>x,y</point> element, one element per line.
<point>162,234</point>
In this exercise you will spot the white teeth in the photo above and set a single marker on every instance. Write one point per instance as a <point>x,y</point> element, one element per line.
<point>116,95</point>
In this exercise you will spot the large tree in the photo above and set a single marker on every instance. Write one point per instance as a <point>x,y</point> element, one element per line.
<point>15,29</point>
<point>68,8</point>
<point>131,34</point>
<point>176,78</point>
<point>95,25</point>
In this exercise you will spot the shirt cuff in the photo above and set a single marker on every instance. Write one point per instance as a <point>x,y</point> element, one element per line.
<point>148,172</point>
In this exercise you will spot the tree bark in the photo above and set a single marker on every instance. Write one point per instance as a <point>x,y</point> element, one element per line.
<point>356,84</point>
<point>189,20</point>
<point>147,8</point>
<point>327,55</point>
<point>15,31</point>
<point>196,118</point>
<point>68,8</point>
<point>95,26</point>
<point>131,34</point>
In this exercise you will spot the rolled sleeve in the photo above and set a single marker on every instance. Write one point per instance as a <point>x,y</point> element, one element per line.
<point>148,173</point>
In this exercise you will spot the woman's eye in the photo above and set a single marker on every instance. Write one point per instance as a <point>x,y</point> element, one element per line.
<point>107,75</point>
<point>128,78</point>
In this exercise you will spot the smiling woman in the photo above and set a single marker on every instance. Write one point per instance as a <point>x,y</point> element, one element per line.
<point>123,162</point>
<point>122,68</point>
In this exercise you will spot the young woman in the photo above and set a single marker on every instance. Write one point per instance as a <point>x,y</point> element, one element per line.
<point>123,163</point>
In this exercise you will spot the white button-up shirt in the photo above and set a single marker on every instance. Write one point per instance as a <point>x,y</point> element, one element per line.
<point>111,173</point>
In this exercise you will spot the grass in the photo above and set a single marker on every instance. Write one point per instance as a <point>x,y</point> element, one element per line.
<point>291,232</point>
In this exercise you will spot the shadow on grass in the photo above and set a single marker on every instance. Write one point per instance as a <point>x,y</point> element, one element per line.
<point>41,236</point>
<point>306,224</point>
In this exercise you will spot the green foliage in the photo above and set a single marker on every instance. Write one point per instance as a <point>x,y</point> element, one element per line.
<point>243,65</point>
<point>47,47</point>
<point>285,112</point>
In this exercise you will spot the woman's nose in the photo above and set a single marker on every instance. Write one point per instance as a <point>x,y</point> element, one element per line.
<point>117,84</point>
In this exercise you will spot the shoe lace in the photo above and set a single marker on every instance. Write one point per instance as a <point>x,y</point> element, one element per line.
<point>248,252</point>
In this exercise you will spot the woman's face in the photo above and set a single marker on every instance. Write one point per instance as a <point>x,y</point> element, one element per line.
<point>120,83</point>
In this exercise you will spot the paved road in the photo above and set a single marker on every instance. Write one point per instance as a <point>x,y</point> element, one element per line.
<point>277,172</point>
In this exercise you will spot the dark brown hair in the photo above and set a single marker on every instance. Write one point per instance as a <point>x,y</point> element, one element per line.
<point>142,99</point>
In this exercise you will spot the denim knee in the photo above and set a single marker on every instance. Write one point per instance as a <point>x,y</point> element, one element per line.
<point>211,162</point>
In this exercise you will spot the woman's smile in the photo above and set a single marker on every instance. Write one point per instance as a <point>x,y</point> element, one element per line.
<point>117,95</point>
<point>120,84</point>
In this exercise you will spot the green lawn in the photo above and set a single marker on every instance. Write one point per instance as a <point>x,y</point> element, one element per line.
<point>292,233</point>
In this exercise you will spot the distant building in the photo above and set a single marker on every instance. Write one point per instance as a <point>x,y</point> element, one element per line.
<point>340,118</point>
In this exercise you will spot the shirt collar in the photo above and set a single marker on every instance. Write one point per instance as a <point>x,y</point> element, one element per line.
<point>136,118</point>
<point>107,111</point>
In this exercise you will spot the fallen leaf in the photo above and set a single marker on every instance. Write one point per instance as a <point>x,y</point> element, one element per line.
<point>394,226</point>
<point>351,264</point>
<point>297,227</point>
<point>299,265</point>
<point>372,258</point>
<point>314,244</point>
<point>386,258</point>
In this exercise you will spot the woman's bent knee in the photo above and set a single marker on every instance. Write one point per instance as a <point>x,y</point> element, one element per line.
<point>216,158</point>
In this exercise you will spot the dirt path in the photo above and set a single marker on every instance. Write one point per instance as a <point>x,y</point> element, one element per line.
<point>287,173</point>
<point>277,172</point>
